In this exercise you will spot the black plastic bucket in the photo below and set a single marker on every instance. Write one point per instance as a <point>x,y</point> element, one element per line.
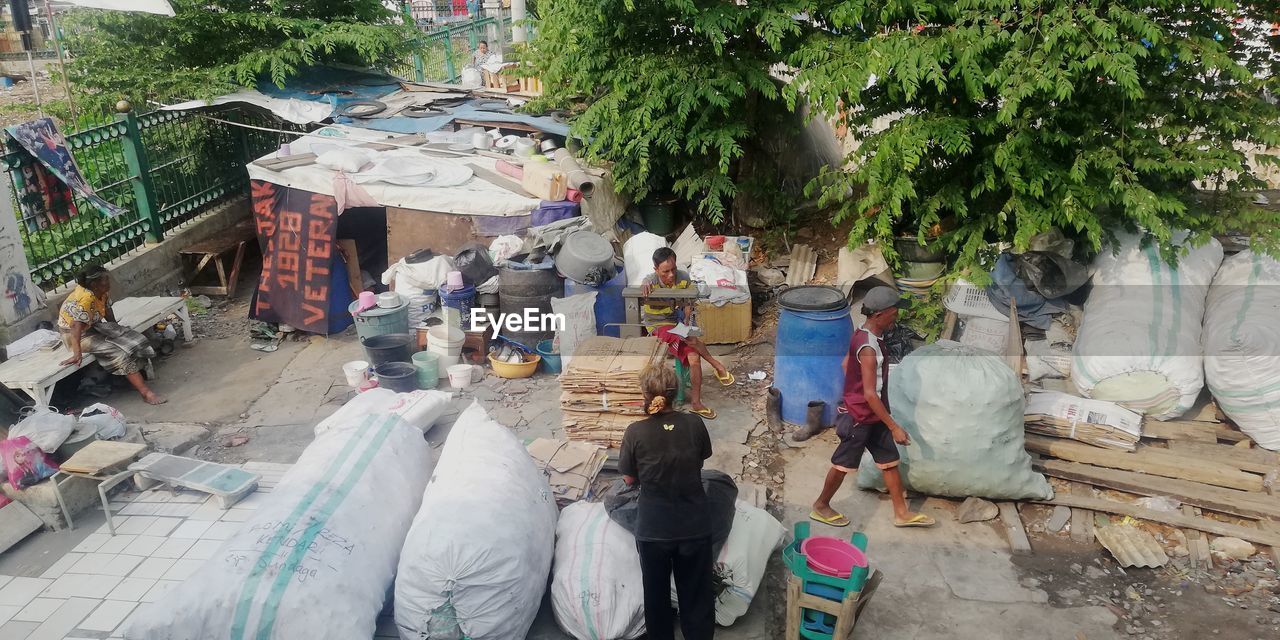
<point>397,376</point>
<point>388,347</point>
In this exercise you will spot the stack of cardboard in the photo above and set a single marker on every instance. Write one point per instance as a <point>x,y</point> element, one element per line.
<point>570,467</point>
<point>1096,422</point>
<point>601,388</point>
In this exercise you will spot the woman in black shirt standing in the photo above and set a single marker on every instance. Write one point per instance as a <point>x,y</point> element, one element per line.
<point>663,454</point>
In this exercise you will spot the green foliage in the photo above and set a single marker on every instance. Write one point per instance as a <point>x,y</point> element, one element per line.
<point>1010,118</point>
<point>212,47</point>
<point>926,316</point>
<point>673,92</point>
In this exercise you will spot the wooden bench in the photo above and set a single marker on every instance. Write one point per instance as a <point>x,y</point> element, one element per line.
<point>215,251</point>
<point>36,372</point>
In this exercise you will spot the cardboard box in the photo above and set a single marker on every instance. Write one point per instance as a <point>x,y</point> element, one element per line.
<point>728,324</point>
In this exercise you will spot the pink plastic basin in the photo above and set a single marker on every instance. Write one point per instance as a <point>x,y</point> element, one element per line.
<point>832,556</point>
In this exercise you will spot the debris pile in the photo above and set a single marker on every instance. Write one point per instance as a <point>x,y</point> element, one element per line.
<point>601,397</point>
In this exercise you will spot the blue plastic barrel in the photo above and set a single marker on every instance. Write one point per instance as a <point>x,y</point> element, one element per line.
<point>609,307</point>
<point>814,331</point>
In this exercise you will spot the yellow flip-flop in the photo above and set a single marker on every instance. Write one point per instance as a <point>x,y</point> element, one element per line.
<point>838,520</point>
<point>918,520</point>
<point>706,412</point>
<point>727,379</point>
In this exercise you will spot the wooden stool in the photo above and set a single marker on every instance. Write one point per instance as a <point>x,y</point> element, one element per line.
<point>215,250</point>
<point>846,611</point>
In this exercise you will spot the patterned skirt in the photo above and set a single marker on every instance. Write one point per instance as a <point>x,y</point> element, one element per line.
<point>118,349</point>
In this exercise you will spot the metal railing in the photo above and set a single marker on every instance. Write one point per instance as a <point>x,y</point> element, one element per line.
<point>447,48</point>
<point>163,168</point>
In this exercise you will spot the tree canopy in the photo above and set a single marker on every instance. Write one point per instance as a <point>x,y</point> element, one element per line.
<point>1010,118</point>
<point>674,92</point>
<point>212,47</point>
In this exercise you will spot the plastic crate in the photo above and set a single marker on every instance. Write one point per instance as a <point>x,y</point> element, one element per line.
<point>968,300</point>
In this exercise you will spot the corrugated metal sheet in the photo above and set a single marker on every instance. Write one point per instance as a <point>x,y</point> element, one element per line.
<point>1131,546</point>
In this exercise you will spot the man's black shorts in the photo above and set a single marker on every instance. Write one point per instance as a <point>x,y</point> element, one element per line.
<point>856,438</point>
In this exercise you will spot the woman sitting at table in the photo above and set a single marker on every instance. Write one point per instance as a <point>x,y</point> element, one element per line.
<point>88,325</point>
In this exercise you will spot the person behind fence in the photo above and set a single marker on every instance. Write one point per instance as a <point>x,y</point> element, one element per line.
<point>664,454</point>
<point>88,326</point>
<point>864,422</point>
<point>660,317</point>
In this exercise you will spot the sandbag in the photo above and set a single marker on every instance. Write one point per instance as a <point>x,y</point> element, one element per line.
<point>318,557</point>
<point>579,313</point>
<point>741,563</point>
<point>419,409</point>
<point>1242,345</point>
<point>1139,341</point>
<point>597,589</point>
<point>963,409</point>
<point>475,563</point>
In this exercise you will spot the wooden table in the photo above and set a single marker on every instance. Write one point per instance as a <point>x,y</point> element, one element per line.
<point>36,372</point>
<point>214,250</point>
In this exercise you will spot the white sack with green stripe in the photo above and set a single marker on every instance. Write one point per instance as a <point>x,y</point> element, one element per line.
<point>475,563</point>
<point>319,555</point>
<point>1139,342</point>
<point>597,589</point>
<point>1242,345</point>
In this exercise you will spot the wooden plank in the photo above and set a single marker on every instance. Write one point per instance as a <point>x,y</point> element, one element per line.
<point>948,325</point>
<point>1147,460</point>
<point>1190,430</point>
<point>409,230</point>
<point>1172,519</point>
<point>1240,503</point>
<point>1273,526</point>
<point>1197,546</point>
<point>1018,541</point>
<point>1013,340</point>
<point>1255,460</point>
<point>1081,519</point>
<point>497,179</point>
<point>102,455</point>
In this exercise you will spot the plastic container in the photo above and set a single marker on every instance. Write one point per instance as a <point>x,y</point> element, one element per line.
<point>659,217</point>
<point>460,376</point>
<point>356,372</point>
<point>813,337</point>
<point>379,321</point>
<point>460,299</point>
<point>446,342</point>
<point>389,300</point>
<point>525,292</point>
<point>427,364</point>
<point>832,556</point>
<point>513,370</point>
<point>610,307</point>
<point>582,252</point>
<point>400,377</point>
<point>391,347</point>
<point>818,625</point>
<point>550,361</point>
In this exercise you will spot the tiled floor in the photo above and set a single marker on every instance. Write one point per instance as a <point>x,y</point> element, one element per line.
<point>161,540</point>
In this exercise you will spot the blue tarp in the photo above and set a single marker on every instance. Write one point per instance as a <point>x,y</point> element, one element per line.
<point>339,87</point>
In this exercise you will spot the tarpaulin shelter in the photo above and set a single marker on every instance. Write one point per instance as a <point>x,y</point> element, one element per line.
<point>400,195</point>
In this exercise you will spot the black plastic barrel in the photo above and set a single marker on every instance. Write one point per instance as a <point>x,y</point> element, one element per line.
<point>397,376</point>
<point>388,347</point>
<point>528,293</point>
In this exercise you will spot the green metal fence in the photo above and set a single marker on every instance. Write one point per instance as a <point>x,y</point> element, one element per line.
<point>163,168</point>
<point>447,49</point>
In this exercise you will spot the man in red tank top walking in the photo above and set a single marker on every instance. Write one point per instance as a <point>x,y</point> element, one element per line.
<point>864,422</point>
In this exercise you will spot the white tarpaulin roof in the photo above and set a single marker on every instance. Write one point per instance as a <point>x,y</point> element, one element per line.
<point>476,197</point>
<point>291,109</point>
<point>160,7</point>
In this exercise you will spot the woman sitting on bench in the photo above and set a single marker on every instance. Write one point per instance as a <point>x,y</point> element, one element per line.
<point>88,325</point>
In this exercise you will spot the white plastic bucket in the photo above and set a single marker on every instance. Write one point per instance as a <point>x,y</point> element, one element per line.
<point>356,372</point>
<point>446,342</point>
<point>459,376</point>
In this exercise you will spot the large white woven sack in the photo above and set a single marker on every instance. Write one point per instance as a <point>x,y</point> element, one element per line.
<point>1242,345</point>
<point>1139,342</point>
<point>475,563</point>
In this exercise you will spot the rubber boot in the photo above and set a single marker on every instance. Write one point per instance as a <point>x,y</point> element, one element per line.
<point>773,410</point>
<point>812,422</point>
